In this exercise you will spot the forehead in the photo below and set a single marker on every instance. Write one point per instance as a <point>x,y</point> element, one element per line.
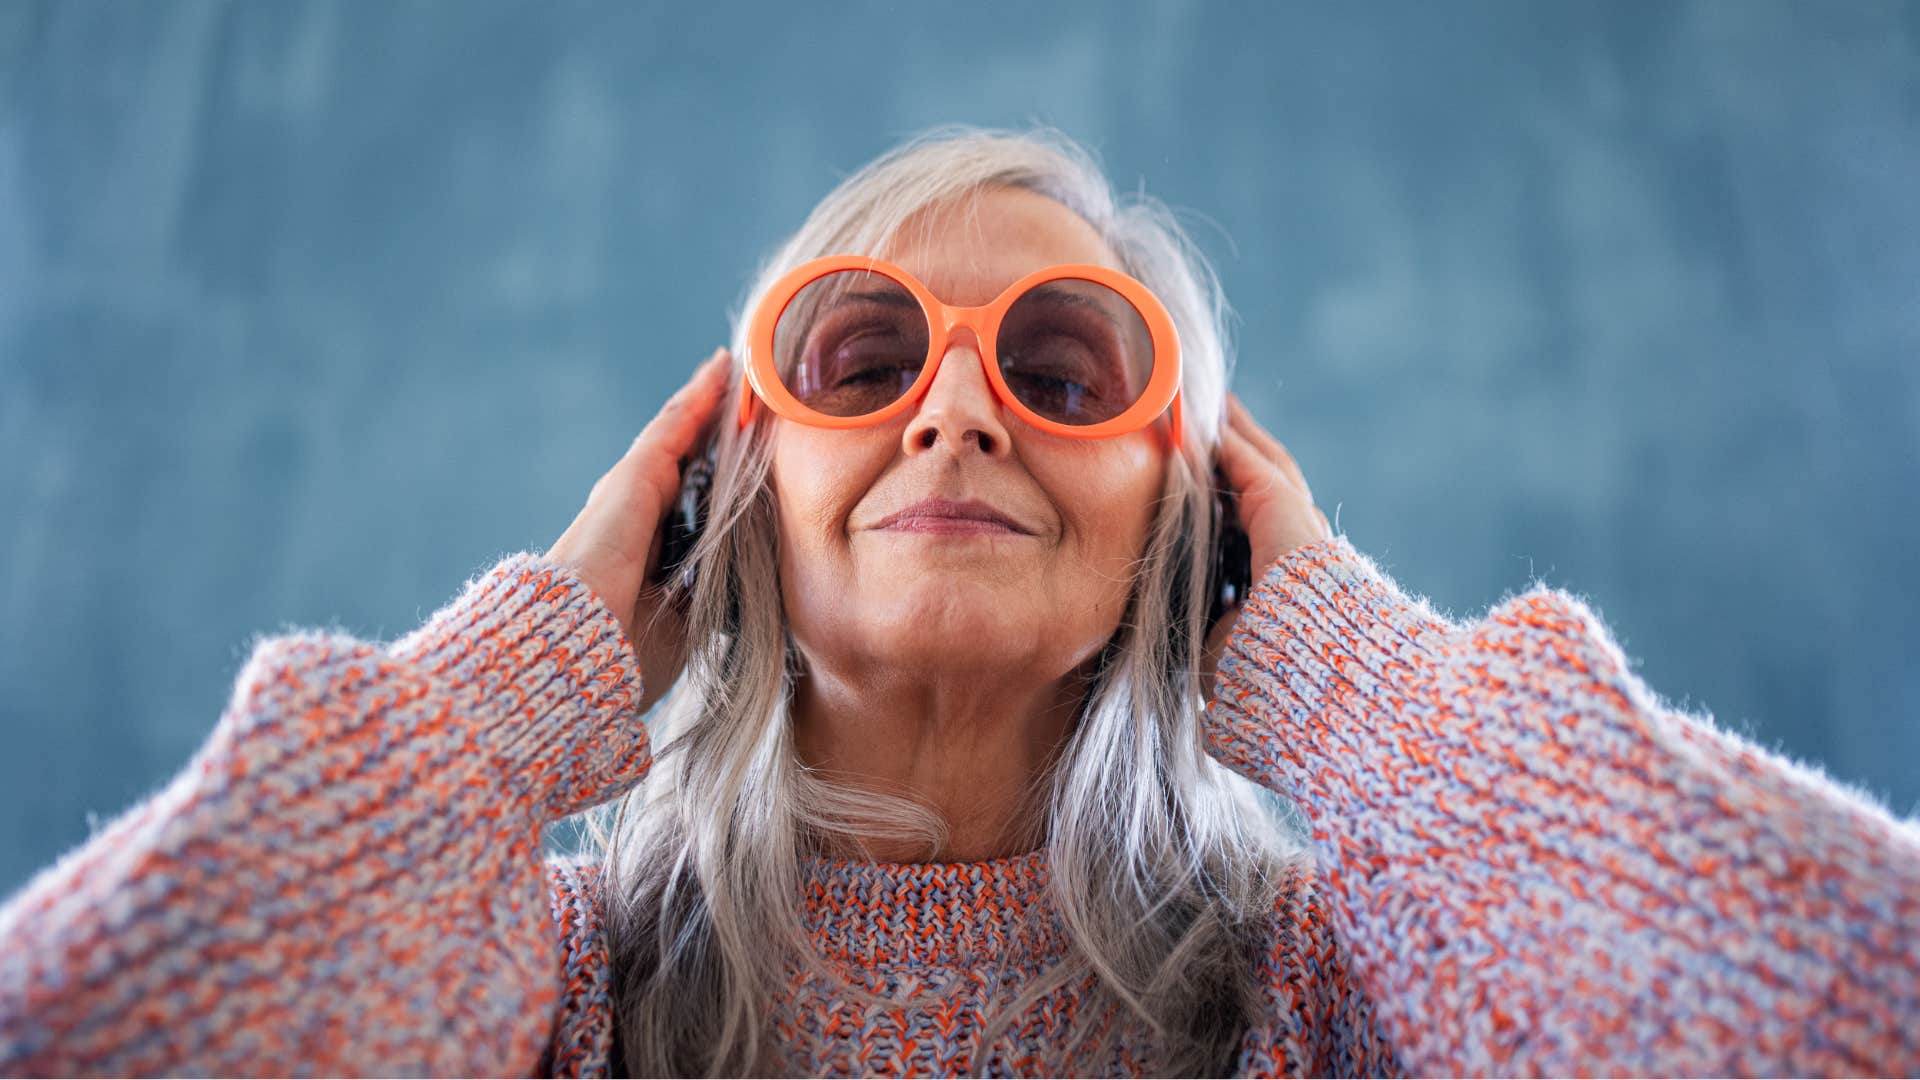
<point>969,252</point>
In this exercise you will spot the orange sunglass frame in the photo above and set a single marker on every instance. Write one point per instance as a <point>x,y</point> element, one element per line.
<point>761,379</point>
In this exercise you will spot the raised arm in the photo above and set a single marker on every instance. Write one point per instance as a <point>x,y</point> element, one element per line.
<point>346,879</point>
<point>1540,869</point>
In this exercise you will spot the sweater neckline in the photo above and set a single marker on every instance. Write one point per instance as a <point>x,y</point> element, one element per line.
<point>884,914</point>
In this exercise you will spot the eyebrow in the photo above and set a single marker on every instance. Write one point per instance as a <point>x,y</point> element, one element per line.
<point>1050,291</point>
<point>890,297</point>
<point>1116,319</point>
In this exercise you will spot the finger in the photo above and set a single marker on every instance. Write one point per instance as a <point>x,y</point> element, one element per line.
<point>672,433</point>
<point>651,462</point>
<point>1292,468</point>
<point>681,418</point>
<point>1272,448</point>
<point>1247,470</point>
<point>1243,421</point>
<point>1261,442</point>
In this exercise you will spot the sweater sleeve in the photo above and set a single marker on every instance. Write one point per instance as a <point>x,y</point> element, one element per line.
<point>346,878</point>
<point>1538,868</point>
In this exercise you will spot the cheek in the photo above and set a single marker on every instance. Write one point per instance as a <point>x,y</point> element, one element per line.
<point>1106,498</point>
<point>816,485</point>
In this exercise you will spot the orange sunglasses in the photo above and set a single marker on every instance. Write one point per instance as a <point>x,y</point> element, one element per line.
<point>1076,349</point>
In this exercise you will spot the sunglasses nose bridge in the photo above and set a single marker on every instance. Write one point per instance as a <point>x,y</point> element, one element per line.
<point>960,326</point>
<point>954,321</point>
<point>957,331</point>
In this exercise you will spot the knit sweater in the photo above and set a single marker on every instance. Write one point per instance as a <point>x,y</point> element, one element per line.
<point>1522,863</point>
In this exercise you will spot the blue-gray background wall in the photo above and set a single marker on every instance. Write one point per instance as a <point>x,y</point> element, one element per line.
<point>310,310</point>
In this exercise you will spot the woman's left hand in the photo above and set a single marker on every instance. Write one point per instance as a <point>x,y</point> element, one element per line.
<point>1275,505</point>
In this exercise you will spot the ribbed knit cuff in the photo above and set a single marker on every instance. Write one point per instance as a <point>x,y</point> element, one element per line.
<point>1325,640</point>
<point>550,676</point>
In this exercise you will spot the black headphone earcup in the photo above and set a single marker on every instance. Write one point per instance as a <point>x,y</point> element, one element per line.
<point>682,526</point>
<point>1229,570</point>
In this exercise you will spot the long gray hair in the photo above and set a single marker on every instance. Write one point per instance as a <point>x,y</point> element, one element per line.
<point>1163,864</point>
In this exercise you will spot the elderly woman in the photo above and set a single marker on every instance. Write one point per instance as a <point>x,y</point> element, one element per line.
<point>955,774</point>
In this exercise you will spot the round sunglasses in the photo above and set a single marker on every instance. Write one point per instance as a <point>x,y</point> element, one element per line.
<point>1076,349</point>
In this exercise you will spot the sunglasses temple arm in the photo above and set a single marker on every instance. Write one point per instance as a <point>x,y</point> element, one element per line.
<point>1177,426</point>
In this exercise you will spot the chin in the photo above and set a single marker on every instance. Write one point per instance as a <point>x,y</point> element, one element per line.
<point>939,608</point>
<point>979,590</point>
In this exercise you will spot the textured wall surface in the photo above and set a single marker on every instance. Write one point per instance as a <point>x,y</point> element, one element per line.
<point>310,310</point>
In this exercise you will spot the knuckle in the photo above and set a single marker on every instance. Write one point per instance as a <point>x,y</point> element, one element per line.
<point>651,434</point>
<point>661,474</point>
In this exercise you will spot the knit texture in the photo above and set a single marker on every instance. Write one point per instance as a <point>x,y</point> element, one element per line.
<point>1524,863</point>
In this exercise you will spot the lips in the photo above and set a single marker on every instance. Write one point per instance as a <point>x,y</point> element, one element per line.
<point>933,512</point>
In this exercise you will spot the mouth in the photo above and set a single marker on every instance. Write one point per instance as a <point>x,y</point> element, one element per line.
<point>952,516</point>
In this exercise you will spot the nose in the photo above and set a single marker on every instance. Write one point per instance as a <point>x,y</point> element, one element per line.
<point>959,407</point>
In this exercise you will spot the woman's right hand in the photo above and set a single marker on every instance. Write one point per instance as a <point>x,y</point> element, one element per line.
<point>613,541</point>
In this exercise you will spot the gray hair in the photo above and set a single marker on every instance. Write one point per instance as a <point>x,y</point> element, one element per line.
<point>1164,865</point>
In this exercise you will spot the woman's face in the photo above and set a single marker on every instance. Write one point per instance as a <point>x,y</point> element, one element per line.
<point>866,602</point>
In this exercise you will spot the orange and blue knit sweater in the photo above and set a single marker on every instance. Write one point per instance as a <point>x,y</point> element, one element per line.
<point>1522,863</point>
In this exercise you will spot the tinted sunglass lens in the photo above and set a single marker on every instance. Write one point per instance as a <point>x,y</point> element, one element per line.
<point>1075,351</point>
<point>850,343</point>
